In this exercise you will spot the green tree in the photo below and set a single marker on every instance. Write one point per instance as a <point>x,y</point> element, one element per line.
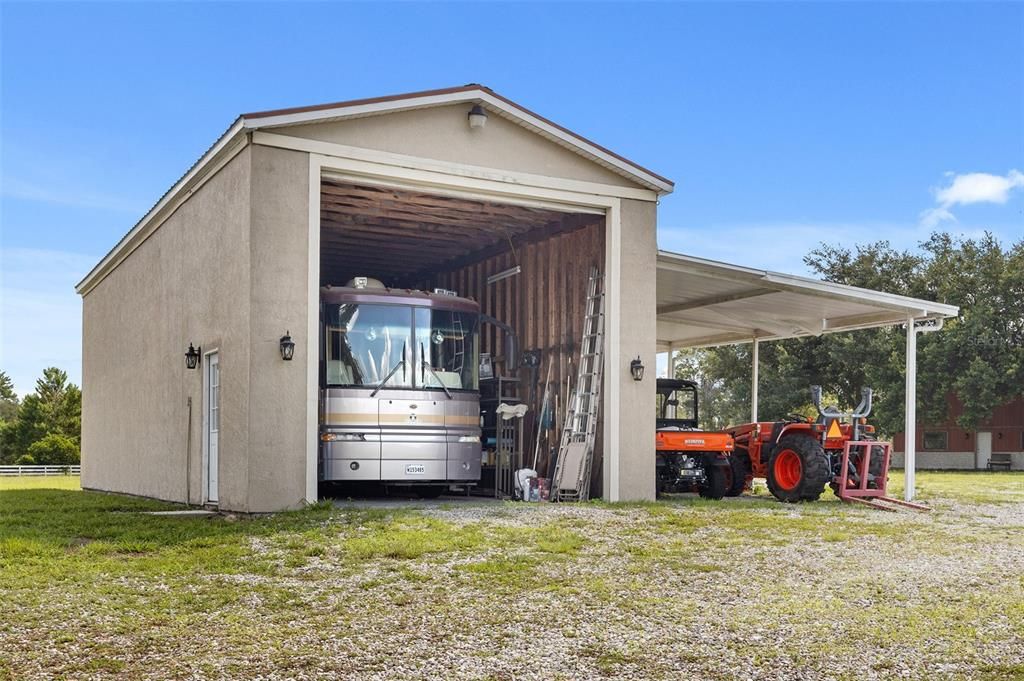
<point>54,407</point>
<point>8,398</point>
<point>54,450</point>
<point>978,357</point>
<point>8,416</point>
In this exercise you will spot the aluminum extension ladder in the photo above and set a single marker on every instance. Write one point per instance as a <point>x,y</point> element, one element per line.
<point>571,481</point>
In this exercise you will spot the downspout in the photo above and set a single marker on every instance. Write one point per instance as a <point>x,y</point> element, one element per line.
<point>188,456</point>
<point>756,361</point>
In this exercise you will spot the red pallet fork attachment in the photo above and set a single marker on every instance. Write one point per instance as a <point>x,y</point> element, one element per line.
<point>862,494</point>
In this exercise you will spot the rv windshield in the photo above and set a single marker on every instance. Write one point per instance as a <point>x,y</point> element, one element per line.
<point>365,343</point>
<point>446,349</point>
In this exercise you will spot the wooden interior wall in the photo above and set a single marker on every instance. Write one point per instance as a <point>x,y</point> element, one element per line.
<point>544,304</point>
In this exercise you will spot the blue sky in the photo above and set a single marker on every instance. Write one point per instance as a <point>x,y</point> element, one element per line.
<point>782,124</point>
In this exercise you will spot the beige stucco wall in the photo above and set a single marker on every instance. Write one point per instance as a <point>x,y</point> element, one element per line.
<point>633,329</point>
<point>443,133</point>
<point>279,250</point>
<point>196,279</point>
<point>188,282</point>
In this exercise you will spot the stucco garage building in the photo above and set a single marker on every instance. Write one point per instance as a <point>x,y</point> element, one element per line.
<point>408,190</point>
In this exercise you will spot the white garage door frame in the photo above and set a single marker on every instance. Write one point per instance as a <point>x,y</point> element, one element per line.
<point>472,182</point>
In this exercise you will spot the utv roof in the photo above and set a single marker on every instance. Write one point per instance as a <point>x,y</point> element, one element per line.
<point>666,384</point>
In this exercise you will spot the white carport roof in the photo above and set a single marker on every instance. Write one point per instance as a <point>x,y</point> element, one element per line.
<point>703,303</point>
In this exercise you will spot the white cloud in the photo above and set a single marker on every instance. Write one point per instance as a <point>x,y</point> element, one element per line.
<point>969,188</point>
<point>979,188</point>
<point>933,217</point>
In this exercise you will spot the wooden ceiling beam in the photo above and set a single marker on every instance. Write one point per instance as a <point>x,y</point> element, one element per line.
<point>345,223</point>
<point>419,219</point>
<point>398,238</point>
<point>383,196</point>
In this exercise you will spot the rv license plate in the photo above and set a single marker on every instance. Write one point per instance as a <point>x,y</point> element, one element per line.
<point>415,469</point>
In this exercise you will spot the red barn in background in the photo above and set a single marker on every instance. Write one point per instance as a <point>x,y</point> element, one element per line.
<point>997,443</point>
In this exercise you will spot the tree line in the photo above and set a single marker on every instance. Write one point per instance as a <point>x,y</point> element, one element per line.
<point>977,359</point>
<point>44,428</point>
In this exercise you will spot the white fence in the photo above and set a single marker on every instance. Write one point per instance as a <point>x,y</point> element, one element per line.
<point>15,471</point>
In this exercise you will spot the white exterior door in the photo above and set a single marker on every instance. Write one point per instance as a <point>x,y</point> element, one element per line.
<point>984,450</point>
<point>212,425</point>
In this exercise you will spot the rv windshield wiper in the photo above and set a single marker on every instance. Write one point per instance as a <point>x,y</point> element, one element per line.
<point>426,364</point>
<point>400,365</point>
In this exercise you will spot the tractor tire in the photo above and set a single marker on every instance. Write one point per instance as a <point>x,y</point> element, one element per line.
<point>714,484</point>
<point>798,469</point>
<point>736,476</point>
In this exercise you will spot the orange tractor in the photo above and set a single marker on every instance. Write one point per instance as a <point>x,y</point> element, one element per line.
<point>689,459</point>
<point>800,456</point>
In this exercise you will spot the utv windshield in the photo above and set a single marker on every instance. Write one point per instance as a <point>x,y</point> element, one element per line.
<point>678,404</point>
<point>400,346</point>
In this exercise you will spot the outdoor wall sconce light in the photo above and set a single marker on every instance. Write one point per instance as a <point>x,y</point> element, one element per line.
<point>477,117</point>
<point>636,367</point>
<point>192,357</point>
<point>287,347</point>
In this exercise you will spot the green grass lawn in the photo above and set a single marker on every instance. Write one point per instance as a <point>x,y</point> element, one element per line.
<point>749,588</point>
<point>41,482</point>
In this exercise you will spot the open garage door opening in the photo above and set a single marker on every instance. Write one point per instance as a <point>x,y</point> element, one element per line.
<point>436,309</point>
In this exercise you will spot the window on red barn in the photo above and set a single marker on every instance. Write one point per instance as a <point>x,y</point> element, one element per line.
<point>936,439</point>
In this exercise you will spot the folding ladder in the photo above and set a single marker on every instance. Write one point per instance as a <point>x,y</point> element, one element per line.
<point>571,481</point>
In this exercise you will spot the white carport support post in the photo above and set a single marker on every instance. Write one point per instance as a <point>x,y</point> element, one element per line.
<point>910,413</point>
<point>755,356</point>
<point>910,424</point>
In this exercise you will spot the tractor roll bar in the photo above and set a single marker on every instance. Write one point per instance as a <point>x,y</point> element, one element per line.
<point>863,409</point>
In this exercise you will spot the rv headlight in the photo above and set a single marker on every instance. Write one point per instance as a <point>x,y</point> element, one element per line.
<point>469,438</point>
<point>343,437</point>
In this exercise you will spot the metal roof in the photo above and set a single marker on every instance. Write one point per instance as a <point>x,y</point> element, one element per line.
<point>703,303</point>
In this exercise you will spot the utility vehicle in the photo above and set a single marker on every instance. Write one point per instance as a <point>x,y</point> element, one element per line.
<point>688,459</point>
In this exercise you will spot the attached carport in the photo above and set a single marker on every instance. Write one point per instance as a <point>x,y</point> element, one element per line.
<point>705,303</point>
